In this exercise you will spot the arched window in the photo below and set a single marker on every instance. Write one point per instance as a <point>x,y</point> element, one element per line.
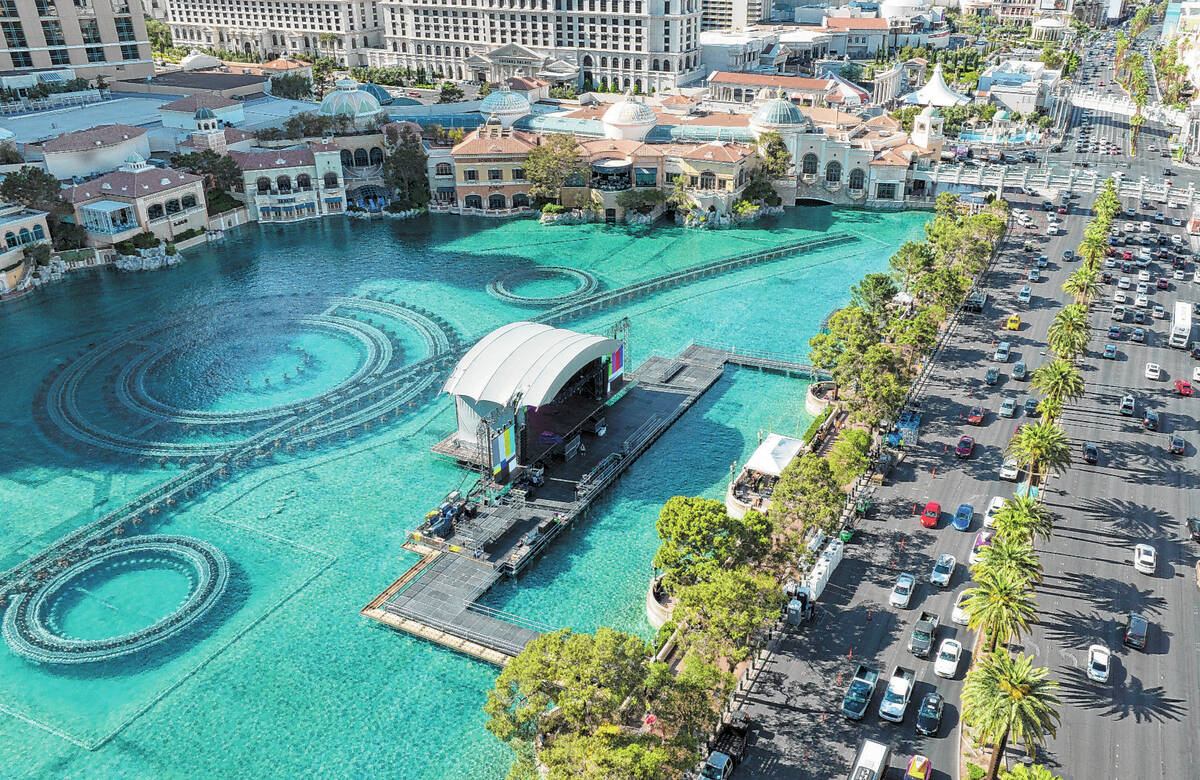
<point>173,206</point>
<point>376,156</point>
<point>587,60</point>
<point>38,232</point>
<point>625,64</point>
<point>331,180</point>
<point>473,202</point>
<point>444,169</point>
<point>520,200</point>
<point>809,164</point>
<point>347,158</point>
<point>496,201</point>
<point>637,85</point>
<point>25,236</point>
<point>833,172</point>
<point>284,183</point>
<point>653,64</point>
<point>361,158</point>
<point>10,239</point>
<point>604,62</point>
<point>189,201</point>
<point>708,180</point>
<point>304,182</point>
<point>264,184</point>
<point>857,179</point>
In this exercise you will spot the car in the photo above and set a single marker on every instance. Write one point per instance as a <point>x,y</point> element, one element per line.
<point>1143,289</point>
<point>1008,408</point>
<point>1118,313</point>
<point>1128,405</point>
<point>959,615</point>
<point>1159,312</point>
<point>1124,282</point>
<point>1179,275</point>
<point>1138,335</point>
<point>1139,316</point>
<point>991,376</point>
<point>975,416</point>
<point>982,539</point>
<point>1024,295</point>
<point>1119,297</point>
<point>1153,371</point>
<point>1145,559</point>
<point>1110,351</point>
<point>1160,218</point>
<point>1196,276</point>
<point>948,657</point>
<point>1196,374</point>
<point>1043,261</point>
<point>902,591</point>
<point>1031,407</point>
<point>1009,469</point>
<point>1034,274</point>
<point>1020,370</point>
<point>994,507</point>
<point>1098,663</point>
<point>1106,277</point>
<point>1143,275</point>
<point>1176,445</point>
<point>943,570</point>
<point>1115,331</point>
<point>1003,350</point>
<point>1137,630</point>
<point>1091,453</point>
<point>1142,301</point>
<point>929,715</point>
<point>1175,221</point>
<point>930,515</point>
<point>965,446</point>
<point>1150,421</point>
<point>1183,387</point>
<point>1163,283</point>
<point>962,518</point>
<point>412,93</point>
<point>1014,321</point>
<point>1196,352</point>
<point>1193,526</point>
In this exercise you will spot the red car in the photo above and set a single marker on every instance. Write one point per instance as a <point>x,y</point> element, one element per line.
<point>1164,283</point>
<point>1127,255</point>
<point>975,417</point>
<point>929,518</point>
<point>1183,386</point>
<point>966,445</point>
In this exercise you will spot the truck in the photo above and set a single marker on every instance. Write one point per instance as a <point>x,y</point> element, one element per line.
<point>920,643</point>
<point>799,607</point>
<point>1181,325</point>
<point>859,693</point>
<point>728,748</point>
<point>895,698</point>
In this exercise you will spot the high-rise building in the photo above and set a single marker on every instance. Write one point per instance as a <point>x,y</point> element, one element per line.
<point>733,14</point>
<point>634,44</point>
<point>341,29</point>
<point>91,37</point>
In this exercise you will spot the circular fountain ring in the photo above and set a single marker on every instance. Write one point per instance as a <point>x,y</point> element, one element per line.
<point>501,287</point>
<point>29,623</point>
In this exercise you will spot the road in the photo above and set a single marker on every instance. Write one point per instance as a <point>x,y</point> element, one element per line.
<point>1139,724</point>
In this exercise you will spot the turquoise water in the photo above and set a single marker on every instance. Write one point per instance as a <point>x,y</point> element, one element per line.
<point>284,678</point>
<point>1023,137</point>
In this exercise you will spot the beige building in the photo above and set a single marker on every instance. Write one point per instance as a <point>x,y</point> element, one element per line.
<point>91,37</point>
<point>733,14</point>
<point>137,198</point>
<point>290,185</point>
<point>22,228</point>
<point>95,150</point>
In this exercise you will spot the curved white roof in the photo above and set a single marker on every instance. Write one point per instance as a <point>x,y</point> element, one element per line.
<point>524,361</point>
<point>630,111</point>
<point>774,454</point>
<point>936,92</point>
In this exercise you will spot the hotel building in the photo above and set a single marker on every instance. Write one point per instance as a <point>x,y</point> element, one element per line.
<point>82,38</point>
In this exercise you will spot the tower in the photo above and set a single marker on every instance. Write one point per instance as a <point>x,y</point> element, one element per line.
<point>927,131</point>
<point>208,134</point>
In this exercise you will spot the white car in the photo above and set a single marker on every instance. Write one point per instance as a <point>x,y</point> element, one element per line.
<point>959,616</point>
<point>1143,276</point>
<point>1153,371</point>
<point>902,591</point>
<point>994,506</point>
<point>1144,559</point>
<point>943,570</point>
<point>1009,469</point>
<point>1098,663</point>
<point>948,657</point>
<point>1142,301</point>
<point>1196,276</point>
<point>1143,288</point>
<point>1120,297</point>
<point>1124,283</point>
<point>1196,374</point>
<point>1178,276</point>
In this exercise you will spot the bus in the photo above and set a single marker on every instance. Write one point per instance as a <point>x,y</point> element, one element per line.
<point>1181,325</point>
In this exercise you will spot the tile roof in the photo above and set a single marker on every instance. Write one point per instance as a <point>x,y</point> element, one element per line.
<point>768,80</point>
<point>269,159</point>
<point>717,152</point>
<point>189,105</point>
<point>232,136</point>
<point>93,138</point>
<point>677,100</point>
<point>855,23</point>
<point>491,139</point>
<point>129,184</point>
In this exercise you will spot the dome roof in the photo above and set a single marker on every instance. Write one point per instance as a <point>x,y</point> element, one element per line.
<point>776,112</point>
<point>930,111</point>
<point>504,102</point>
<point>630,111</point>
<point>381,95</point>
<point>204,112</point>
<point>350,101</point>
<point>1048,23</point>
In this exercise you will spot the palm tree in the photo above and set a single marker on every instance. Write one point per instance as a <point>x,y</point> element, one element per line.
<point>1092,250</point>
<point>1135,122</point>
<point>1023,517</point>
<point>1082,284</point>
<point>1042,448</point>
<point>1000,606</point>
<point>1069,333</point>
<point>1010,555</point>
<point>1008,697</point>
<point>1059,381</point>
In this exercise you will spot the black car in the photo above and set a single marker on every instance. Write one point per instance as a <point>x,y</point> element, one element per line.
<point>1106,277</point>
<point>1193,526</point>
<point>1114,332</point>
<point>1176,446</point>
<point>1139,316</point>
<point>1031,407</point>
<point>1136,630</point>
<point>1150,421</point>
<point>929,716</point>
<point>1196,352</point>
<point>1091,453</point>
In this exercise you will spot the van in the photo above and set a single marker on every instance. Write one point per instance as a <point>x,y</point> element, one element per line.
<point>1176,239</point>
<point>871,763</point>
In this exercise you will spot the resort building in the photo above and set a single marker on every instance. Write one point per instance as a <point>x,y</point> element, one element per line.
<point>341,29</point>
<point>181,113</point>
<point>22,228</point>
<point>294,184</point>
<point>89,39</point>
<point>1019,85</point>
<point>733,14</point>
<point>489,169</point>
<point>97,150</point>
<point>748,87</point>
<point>137,198</point>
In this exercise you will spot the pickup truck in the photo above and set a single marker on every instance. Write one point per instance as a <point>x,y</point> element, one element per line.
<point>895,698</point>
<point>858,695</point>
<point>923,634</point>
<point>729,747</point>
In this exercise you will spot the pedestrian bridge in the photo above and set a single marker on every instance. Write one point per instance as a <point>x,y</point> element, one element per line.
<point>1119,104</point>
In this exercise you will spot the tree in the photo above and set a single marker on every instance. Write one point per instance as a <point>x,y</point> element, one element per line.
<point>641,200</point>
<point>551,164</point>
<point>1031,772</point>
<point>679,197</point>
<point>610,752</point>
<point>1006,697</point>
<point>31,187</point>
<point>292,87</point>
<point>944,287</point>
<point>999,606</point>
<point>913,260</point>
<point>777,160</point>
<point>1011,555</point>
<point>807,495</point>
<point>219,171</point>
<point>848,458</point>
<point>1059,381</point>
<point>1069,332</point>
<point>698,537</point>
<point>404,169</point>
<point>1024,518</point>
<point>874,293</point>
<point>1082,284</point>
<point>450,93</point>
<point>159,35</point>
<point>722,616</point>
<point>1042,448</point>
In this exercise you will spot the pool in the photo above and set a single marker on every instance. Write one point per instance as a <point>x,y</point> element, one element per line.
<point>1015,137</point>
<point>118,383</point>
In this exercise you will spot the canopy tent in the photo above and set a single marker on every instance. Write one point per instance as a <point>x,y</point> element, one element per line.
<point>774,454</point>
<point>936,92</point>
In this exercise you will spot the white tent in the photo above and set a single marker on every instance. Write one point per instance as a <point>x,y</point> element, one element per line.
<point>936,92</point>
<point>774,454</point>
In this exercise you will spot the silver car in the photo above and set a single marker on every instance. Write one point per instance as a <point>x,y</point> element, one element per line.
<point>902,591</point>
<point>943,570</point>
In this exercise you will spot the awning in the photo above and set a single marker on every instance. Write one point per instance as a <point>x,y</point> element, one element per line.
<point>653,171</point>
<point>445,190</point>
<point>105,206</point>
<point>52,77</point>
<point>774,454</point>
<point>333,200</point>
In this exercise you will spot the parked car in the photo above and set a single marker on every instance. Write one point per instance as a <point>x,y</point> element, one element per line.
<point>930,515</point>
<point>902,591</point>
<point>1003,350</point>
<point>1128,405</point>
<point>948,657</point>
<point>1183,387</point>
<point>1008,408</point>
<point>1031,407</point>
<point>929,717</point>
<point>1176,445</point>
<point>1145,559</point>
<point>992,376</point>
<point>1153,371</point>
<point>943,570</point>
<point>1110,351</point>
<point>1009,469</point>
<point>1150,421</point>
<point>1020,370</point>
<point>994,507</point>
<point>982,539</point>
<point>963,517</point>
<point>975,416</point>
<point>1138,335</point>
<point>959,615</point>
<point>1137,631</point>
<point>1025,295</point>
<point>965,446</point>
<point>1014,320</point>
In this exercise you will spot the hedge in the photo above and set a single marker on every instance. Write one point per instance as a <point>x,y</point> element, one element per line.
<point>816,424</point>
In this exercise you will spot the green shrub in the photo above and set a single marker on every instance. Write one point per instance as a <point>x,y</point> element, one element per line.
<point>145,240</point>
<point>553,208</point>
<point>975,772</point>
<point>170,250</point>
<point>815,425</point>
<point>664,633</point>
<point>189,233</point>
<point>220,201</point>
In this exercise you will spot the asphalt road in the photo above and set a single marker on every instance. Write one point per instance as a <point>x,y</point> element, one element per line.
<point>1139,724</point>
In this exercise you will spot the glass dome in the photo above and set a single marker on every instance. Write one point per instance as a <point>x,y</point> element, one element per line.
<point>777,112</point>
<point>504,102</point>
<point>350,101</point>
